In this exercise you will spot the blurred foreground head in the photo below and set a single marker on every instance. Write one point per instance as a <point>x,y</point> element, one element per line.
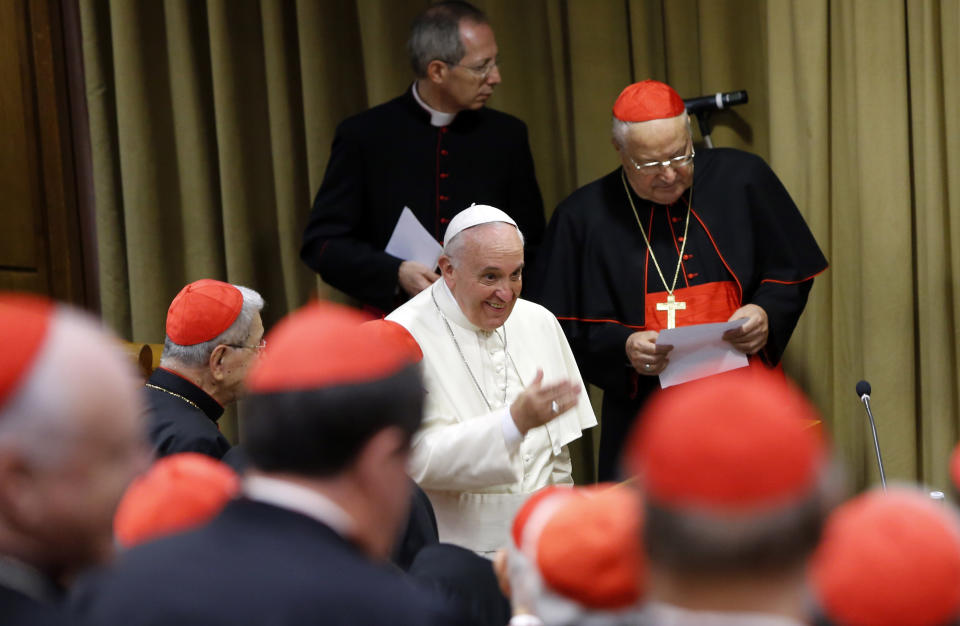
<point>736,484</point>
<point>335,406</point>
<point>576,556</point>
<point>70,436</point>
<point>889,558</point>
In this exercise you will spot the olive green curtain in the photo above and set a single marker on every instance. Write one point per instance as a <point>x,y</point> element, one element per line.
<point>212,121</point>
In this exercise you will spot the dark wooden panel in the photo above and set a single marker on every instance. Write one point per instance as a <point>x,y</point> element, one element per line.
<point>20,228</point>
<point>41,245</point>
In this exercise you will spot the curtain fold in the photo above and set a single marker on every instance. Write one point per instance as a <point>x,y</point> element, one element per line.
<point>211,125</point>
<point>934,63</point>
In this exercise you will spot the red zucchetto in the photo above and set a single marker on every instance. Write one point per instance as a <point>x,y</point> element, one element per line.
<point>889,558</point>
<point>24,321</point>
<point>648,100</point>
<point>536,502</point>
<point>325,345</point>
<point>179,492</point>
<point>589,550</point>
<point>738,442</point>
<point>955,468</point>
<point>391,332</point>
<point>202,310</point>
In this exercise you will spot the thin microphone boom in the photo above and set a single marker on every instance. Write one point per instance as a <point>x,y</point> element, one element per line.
<point>863,390</point>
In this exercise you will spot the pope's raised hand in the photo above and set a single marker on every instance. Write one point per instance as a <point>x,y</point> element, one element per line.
<point>538,403</point>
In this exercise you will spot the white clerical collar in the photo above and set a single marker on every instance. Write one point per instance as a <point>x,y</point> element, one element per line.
<point>437,118</point>
<point>28,580</point>
<point>671,615</point>
<point>294,497</point>
<point>451,308</point>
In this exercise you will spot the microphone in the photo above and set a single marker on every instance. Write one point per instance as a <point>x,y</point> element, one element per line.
<point>863,392</point>
<point>715,102</point>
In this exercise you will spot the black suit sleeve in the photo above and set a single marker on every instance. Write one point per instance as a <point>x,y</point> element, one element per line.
<point>332,246</point>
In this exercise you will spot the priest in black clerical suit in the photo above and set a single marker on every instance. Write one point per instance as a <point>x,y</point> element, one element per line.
<point>711,231</point>
<point>214,333</point>
<point>322,503</point>
<point>435,149</point>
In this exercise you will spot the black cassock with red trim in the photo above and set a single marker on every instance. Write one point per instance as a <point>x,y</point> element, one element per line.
<point>746,243</point>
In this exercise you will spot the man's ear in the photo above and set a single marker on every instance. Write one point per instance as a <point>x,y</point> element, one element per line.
<point>388,444</point>
<point>19,499</point>
<point>446,271</point>
<point>446,266</point>
<point>437,71</point>
<point>501,571</point>
<point>215,363</point>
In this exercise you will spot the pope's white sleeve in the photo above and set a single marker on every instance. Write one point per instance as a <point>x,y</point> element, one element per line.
<point>452,455</point>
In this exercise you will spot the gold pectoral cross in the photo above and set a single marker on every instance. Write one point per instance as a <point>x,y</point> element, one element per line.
<point>671,306</point>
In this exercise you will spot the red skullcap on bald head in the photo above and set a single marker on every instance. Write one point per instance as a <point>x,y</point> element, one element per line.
<point>202,310</point>
<point>589,550</point>
<point>955,468</point>
<point>324,345</point>
<point>387,331</point>
<point>531,505</point>
<point>648,100</point>
<point>736,442</point>
<point>889,558</point>
<point>24,321</point>
<point>179,492</point>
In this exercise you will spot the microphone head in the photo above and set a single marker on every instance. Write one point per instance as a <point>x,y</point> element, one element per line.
<point>735,97</point>
<point>863,389</point>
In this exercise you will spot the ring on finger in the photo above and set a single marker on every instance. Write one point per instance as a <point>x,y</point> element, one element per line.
<point>647,366</point>
<point>554,407</point>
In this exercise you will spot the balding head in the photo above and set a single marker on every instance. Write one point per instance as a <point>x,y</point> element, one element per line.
<point>70,442</point>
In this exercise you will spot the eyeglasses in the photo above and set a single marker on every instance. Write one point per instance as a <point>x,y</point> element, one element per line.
<point>482,71</point>
<point>655,167</point>
<point>258,347</point>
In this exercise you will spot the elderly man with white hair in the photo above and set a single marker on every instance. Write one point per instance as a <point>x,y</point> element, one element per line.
<point>636,252</point>
<point>70,442</point>
<point>214,333</point>
<point>504,395</point>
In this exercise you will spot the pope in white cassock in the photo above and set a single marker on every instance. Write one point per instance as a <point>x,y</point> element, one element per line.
<point>504,395</point>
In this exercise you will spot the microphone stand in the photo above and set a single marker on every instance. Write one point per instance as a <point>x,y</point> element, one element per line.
<point>703,121</point>
<point>865,398</point>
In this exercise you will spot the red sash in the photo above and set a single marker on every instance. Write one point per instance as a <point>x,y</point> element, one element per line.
<point>705,304</point>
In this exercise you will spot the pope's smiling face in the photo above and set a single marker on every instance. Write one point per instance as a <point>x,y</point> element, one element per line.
<point>485,273</point>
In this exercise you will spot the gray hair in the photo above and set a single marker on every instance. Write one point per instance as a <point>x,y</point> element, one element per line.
<point>773,540</point>
<point>454,248</point>
<point>197,355</point>
<point>435,34</point>
<point>36,421</point>
<point>619,129</point>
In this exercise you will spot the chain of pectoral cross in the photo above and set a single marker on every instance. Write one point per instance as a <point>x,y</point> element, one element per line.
<point>671,306</point>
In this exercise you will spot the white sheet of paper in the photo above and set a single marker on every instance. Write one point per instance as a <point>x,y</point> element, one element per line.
<point>410,241</point>
<point>699,351</point>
